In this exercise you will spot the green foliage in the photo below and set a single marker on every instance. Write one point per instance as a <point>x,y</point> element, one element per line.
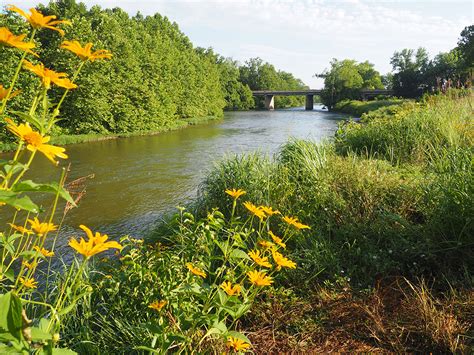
<point>410,70</point>
<point>238,95</point>
<point>345,79</point>
<point>260,75</point>
<point>413,133</point>
<point>466,48</point>
<point>414,74</point>
<point>377,211</point>
<point>358,108</point>
<point>197,313</point>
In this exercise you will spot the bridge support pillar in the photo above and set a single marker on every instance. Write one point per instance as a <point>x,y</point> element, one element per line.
<point>309,102</point>
<point>269,102</point>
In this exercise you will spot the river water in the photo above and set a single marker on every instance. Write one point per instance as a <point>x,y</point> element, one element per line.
<point>138,179</point>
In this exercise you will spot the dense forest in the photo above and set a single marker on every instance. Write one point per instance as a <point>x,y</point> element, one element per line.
<point>155,81</point>
<point>413,73</point>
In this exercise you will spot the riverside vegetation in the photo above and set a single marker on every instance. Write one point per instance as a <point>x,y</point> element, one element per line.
<point>381,262</point>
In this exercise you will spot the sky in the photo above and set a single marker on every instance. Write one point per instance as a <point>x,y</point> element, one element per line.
<point>302,36</point>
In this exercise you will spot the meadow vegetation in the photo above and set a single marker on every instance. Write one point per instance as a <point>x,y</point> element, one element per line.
<point>377,259</point>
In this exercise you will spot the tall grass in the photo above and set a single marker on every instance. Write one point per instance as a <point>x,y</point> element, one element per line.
<point>412,134</point>
<point>391,196</point>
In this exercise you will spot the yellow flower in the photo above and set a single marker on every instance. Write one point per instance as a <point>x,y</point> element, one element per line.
<point>257,211</point>
<point>38,20</point>
<point>293,221</point>
<point>269,211</point>
<point>21,229</point>
<point>229,289</point>
<point>49,76</point>
<point>281,261</point>
<point>29,283</point>
<point>265,244</point>
<point>235,193</point>
<point>94,245</point>
<point>9,39</point>
<point>46,253</point>
<point>4,93</point>
<point>30,265</point>
<point>196,271</point>
<point>237,344</point>
<point>258,278</point>
<point>262,261</point>
<point>277,240</point>
<point>35,141</point>
<point>158,305</point>
<point>85,53</point>
<point>41,228</point>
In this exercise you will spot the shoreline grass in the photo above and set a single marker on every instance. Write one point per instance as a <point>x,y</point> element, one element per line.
<point>358,108</point>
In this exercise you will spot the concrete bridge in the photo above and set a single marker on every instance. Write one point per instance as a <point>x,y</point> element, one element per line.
<point>310,93</point>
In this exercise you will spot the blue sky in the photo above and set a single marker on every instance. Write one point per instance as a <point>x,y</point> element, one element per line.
<point>302,36</point>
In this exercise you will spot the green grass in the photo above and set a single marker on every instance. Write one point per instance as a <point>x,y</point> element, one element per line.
<point>358,108</point>
<point>391,196</point>
<point>411,134</point>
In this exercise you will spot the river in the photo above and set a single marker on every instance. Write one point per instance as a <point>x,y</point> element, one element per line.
<point>138,179</point>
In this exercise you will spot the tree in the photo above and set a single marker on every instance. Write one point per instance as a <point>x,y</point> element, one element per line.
<point>346,78</point>
<point>410,68</point>
<point>466,51</point>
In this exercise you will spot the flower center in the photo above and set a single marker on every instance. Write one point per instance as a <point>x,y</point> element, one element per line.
<point>33,138</point>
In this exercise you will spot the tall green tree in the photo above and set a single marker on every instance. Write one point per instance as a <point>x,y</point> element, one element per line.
<point>346,78</point>
<point>466,51</point>
<point>409,68</point>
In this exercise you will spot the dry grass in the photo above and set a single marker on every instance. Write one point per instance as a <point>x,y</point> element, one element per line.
<point>398,316</point>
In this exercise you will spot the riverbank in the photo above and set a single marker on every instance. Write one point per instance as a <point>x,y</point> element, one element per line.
<point>358,108</point>
<point>66,139</point>
<point>384,266</point>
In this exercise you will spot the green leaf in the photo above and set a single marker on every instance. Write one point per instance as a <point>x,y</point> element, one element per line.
<point>13,169</point>
<point>238,335</point>
<point>10,275</point>
<point>29,118</point>
<point>223,246</point>
<point>54,188</point>
<point>222,296</point>
<point>5,349</point>
<point>242,310</point>
<point>220,326</point>
<point>38,334</point>
<point>44,324</point>
<point>13,199</point>
<point>63,351</point>
<point>10,315</point>
<point>239,254</point>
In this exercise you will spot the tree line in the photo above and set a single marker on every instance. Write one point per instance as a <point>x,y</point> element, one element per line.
<point>413,73</point>
<point>155,79</point>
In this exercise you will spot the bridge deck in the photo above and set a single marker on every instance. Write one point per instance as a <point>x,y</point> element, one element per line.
<point>313,92</point>
<point>285,92</point>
